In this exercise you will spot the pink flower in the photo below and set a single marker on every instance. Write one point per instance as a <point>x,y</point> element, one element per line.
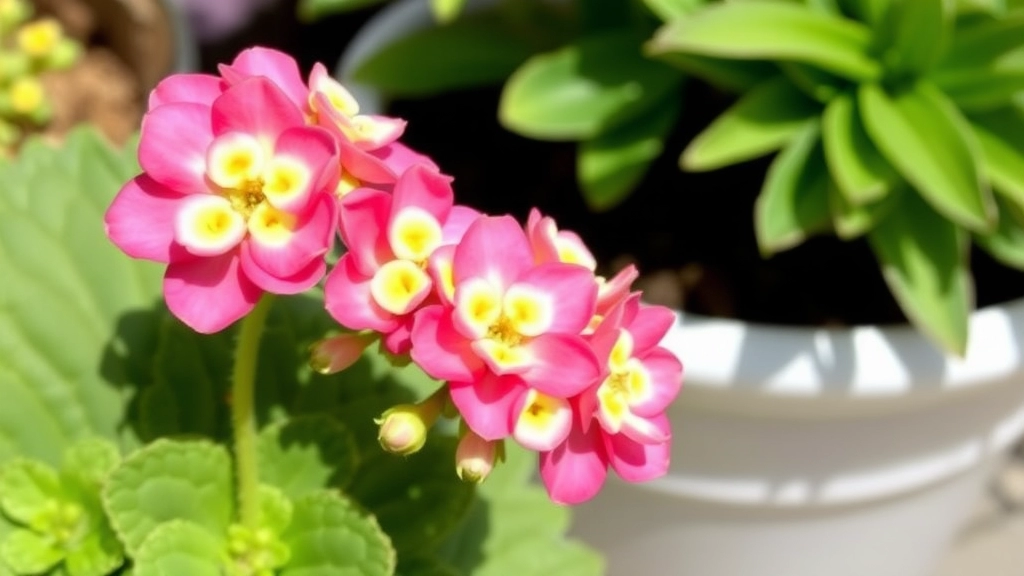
<point>620,421</point>
<point>234,197</point>
<point>509,340</point>
<point>383,279</point>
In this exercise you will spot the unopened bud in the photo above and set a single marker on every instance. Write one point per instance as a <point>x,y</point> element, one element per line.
<point>475,457</point>
<point>403,428</point>
<point>26,96</point>
<point>332,355</point>
<point>39,38</point>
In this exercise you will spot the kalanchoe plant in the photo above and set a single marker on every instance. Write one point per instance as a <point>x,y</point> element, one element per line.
<point>895,120</point>
<point>247,178</point>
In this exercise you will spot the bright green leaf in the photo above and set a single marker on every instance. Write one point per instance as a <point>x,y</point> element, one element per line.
<point>315,9</point>
<point>90,460</point>
<point>1006,244</point>
<point>914,34</point>
<point>727,75</point>
<point>585,88</point>
<point>856,166</point>
<point>275,509</point>
<point>29,553</point>
<point>446,10</point>
<point>773,31</point>
<point>793,203</point>
<point>871,12</point>
<point>983,42</point>
<point>307,454</point>
<point>672,9</point>
<point>983,88</point>
<point>1001,136</point>
<point>927,140</point>
<point>851,220</point>
<point>609,166</point>
<point>990,7</point>
<point>177,548</point>
<point>28,488</point>
<point>819,85</point>
<point>924,260</point>
<point>764,120</point>
<point>328,535</point>
<point>170,480</point>
<point>98,554</point>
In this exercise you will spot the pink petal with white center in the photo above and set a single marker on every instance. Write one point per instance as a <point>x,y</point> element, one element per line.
<point>575,471</point>
<point>650,325</point>
<point>563,365</point>
<point>528,310</point>
<point>426,189</point>
<point>258,107</point>
<point>363,220</point>
<point>400,286</point>
<point>172,146</point>
<point>303,279</point>
<point>371,132</point>
<point>338,97</point>
<point>414,234</point>
<point>309,152</point>
<point>140,220</point>
<point>636,462</point>
<point>666,379</point>
<point>542,422</point>
<point>277,66</point>
<point>308,237</point>
<point>477,308</point>
<point>209,294</point>
<point>440,350</point>
<point>207,225</point>
<point>197,88</point>
<point>612,292</point>
<point>571,288</point>
<point>363,165</point>
<point>487,404</point>
<point>542,231</point>
<point>572,250</point>
<point>347,299</point>
<point>440,268</point>
<point>493,248</point>
<point>501,358</point>
<point>458,221</point>
<point>398,157</point>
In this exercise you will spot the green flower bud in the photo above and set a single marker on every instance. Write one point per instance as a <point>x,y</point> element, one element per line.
<point>475,458</point>
<point>403,428</point>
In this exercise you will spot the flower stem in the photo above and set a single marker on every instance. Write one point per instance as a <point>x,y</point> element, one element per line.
<point>243,413</point>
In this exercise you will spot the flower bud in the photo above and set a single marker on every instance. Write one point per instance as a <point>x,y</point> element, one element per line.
<point>403,428</point>
<point>26,96</point>
<point>475,457</point>
<point>39,38</point>
<point>332,355</point>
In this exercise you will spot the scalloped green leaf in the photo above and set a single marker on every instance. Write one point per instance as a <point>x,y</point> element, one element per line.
<point>29,553</point>
<point>275,509</point>
<point>1001,136</point>
<point>856,166</point>
<point>170,480</point>
<point>329,535</point>
<point>793,203</point>
<point>584,88</point>
<point>924,261</point>
<point>98,554</point>
<point>179,547</point>
<point>773,31</point>
<point>315,9</point>
<point>307,454</point>
<point>27,488</point>
<point>68,368</point>
<point>88,462</point>
<point>762,121</point>
<point>609,166</point>
<point>921,133</point>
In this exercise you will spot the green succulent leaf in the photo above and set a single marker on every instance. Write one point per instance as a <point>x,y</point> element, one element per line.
<point>585,88</point>
<point>856,166</point>
<point>982,42</point>
<point>27,489</point>
<point>315,9</point>
<point>609,166</point>
<point>773,31</point>
<point>1001,136</point>
<point>989,7</point>
<point>179,547</point>
<point>446,10</point>
<point>762,121</point>
<point>983,87</point>
<point>851,220</point>
<point>29,553</point>
<point>820,86</point>
<point>725,74</point>
<point>170,480</point>
<point>909,49</point>
<point>793,203</point>
<point>1006,244</point>
<point>307,454</point>
<point>98,554</point>
<point>924,261</point>
<point>927,140</point>
<point>671,9</point>
<point>870,12</point>
<point>68,368</point>
<point>328,535</point>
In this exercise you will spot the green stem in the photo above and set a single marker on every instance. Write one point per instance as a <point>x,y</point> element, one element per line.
<point>243,413</point>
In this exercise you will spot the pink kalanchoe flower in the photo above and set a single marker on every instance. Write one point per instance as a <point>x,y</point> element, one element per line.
<point>235,197</point>
<point>383,280</point>
<point>507,335</point>
<point>620,421</point>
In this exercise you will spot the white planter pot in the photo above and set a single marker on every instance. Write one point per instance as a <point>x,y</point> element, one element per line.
<point>801,451</point>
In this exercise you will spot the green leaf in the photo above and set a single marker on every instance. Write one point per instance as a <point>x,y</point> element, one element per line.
<point>418,500</point>
<point>983,87</point>
<point>820,86</point>
<point>870,12</point>
<point>609,166</point>
<point>773,31</point>
<point>727,75</point>
<point>307,454</point>
<point>927,140</point>
<point>990,7</point>
<point>982,43</point>
<point>328,535</point>
<point>169,480</point>
<point>851,220</point>
<point>672,9</point>
<point>424,566</point>
<point>179,547</point>
<point>27,489</point>
<point>860,172</point>
<point>1001,136</point>
<point>275,509</point>
<point>446,10</point>
<point>90,460</point>
<point>793,203</point>
<point>98,554</point>
<point>475,50</point>
<point>764,120</point>
<point>585,88</point>
<point>914,34</point>
<point>29,553</point>
<point>315,9</point>
<point>924,261</point>
<point>1006,244</point>
<point>72,348</point>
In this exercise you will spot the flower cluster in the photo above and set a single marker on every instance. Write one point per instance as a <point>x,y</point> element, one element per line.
<point>249,176</point>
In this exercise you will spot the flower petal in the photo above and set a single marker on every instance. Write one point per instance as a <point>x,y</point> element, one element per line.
<point>666,375</point>
<point>542,422</point>
<point>459,220</point>
<point>140,220</point>
<point>348,300</point>
<point>573,291</point>
<point>575,471</point>
<point>363,220</point>
<point>425,189</point>
<point>487,404</point>
<point>277,66</point>
<point>493,248</point>
<point>258,107</point>
<point>197,88</point>
<point>398,158</point>
<point>306,238</point>
<point>363,165</point>
<point>304,163</point>
<point>636,462</point>
<point>185,129</point>
<point>612,292</point>
<point>440,350</point>
<point>562,365</point>
<point>209,294</point>
<point>650,325</point>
